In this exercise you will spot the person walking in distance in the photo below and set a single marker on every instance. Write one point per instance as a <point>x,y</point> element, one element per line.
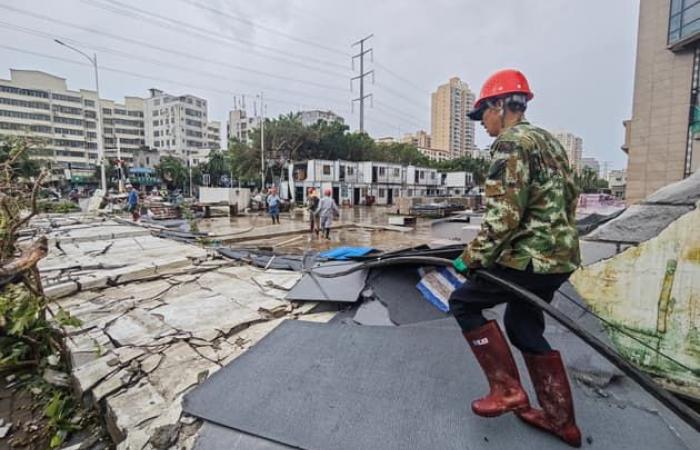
<point>273,205</point>
<point>312,203</point>
<point>528,236</point>
<point>133,204</point>
<point>326,210</point>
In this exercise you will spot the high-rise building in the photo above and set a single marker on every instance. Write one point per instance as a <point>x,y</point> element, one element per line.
<point>661,138</point>
<point>38,104</point>
<point>312,117</point>
<point>592,164</point>
<point>573,146</point>
<point>214,135</point>
<point>451,129</point>
<point>176,125</point>
<point>420,139</point>
<point>240,125</point>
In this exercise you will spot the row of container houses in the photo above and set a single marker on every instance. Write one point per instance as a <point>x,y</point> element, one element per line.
<point>361,182</point>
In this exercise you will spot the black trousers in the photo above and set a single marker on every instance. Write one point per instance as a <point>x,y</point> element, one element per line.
<point>524,323</point>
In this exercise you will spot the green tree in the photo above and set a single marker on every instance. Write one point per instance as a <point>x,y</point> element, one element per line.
<point>588,182</point>
<point>479,167</point>
<point>23,167</point>
<point>217,166</point>
<point>173,172</point>
<point>244,160</point>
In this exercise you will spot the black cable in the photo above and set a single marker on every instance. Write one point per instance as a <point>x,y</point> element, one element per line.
<point>647,383</point>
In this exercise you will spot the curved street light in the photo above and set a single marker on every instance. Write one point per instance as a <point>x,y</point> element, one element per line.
<point>98,107</point>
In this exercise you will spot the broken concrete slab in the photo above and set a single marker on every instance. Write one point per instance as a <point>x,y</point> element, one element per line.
<point>196,313</point>
<point>137,327</point>
<point>181,369</point>
<point>132,407</point>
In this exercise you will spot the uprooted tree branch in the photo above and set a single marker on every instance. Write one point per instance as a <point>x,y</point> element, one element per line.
<point>30,341</point>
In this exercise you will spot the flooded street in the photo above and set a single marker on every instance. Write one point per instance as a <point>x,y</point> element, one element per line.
<point>351,229</point>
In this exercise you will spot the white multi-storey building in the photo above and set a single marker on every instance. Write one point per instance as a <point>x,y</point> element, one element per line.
<point>240,125</point>
<point>214,135</point>
<point>40,105</point>
<point>573,146</point>
<point>312,117</point>
<point>176,125</point>
<point>353,181</point>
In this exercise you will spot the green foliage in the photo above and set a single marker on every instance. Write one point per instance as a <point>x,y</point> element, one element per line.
<point>24,167</point>
<point>479,167</point>
<point>59,411</point>
<point>588,182</point>
<point>63,206</point>
<point>173,172</point>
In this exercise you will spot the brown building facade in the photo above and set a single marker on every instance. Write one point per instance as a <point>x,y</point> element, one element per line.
<point>661,138</point>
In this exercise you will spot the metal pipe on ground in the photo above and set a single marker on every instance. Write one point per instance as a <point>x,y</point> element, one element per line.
<point>678,407</point>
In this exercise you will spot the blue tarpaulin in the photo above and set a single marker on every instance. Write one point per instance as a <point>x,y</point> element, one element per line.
<point>345,253</point>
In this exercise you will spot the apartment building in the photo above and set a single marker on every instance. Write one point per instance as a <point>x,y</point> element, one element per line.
<point>434,154</point>
<point>214,135</point>
<point>573,146</point>
<point>240,124</point>
<point>40,105</point>
<point>176,125</point>
<point>420,139</point>
<point>312,117</point>
<point>661,138</point>
<point>451,129</point>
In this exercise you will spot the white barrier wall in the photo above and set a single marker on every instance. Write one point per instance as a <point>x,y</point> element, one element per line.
<point>232,196</point>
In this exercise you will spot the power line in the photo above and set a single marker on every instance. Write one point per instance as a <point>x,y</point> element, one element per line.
<point>398,113</point>
<point>141,43</point>
<point>150,78</point>
<point>178,25</point>
<point>219,12</point>
<point>397,94</point>
<point>399,77</point>
<point>165,63</point>
<point>361,77</point>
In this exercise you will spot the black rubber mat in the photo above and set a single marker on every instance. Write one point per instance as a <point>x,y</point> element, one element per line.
<point>345,289</point>
<point>395,287</point>
<point>326,386</point>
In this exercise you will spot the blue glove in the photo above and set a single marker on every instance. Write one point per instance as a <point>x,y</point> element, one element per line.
<point>460,266</point>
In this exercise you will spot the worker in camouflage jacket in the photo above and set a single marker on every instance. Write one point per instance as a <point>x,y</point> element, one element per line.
<point>528,236</point>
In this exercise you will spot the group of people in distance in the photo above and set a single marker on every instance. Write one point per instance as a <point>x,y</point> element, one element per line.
<point>322,210</point>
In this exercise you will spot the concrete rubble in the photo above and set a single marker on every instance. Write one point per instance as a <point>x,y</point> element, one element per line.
<point>157,318</point>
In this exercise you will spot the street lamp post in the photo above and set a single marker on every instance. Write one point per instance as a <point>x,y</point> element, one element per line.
<point>100,141</point>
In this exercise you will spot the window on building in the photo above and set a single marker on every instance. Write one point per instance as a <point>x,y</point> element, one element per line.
<point>422,174</point>
<point>397,172</point>
<point>27,92</point>
<point>684,21</point>
<point>24,115</point>
<point>382,171</point>
<point>326,169</point>
<point>106,111</point>
<point>350,170</point>
<point>382,193</point>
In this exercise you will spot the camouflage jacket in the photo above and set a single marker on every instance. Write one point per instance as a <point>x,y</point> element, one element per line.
<point>530,205</point>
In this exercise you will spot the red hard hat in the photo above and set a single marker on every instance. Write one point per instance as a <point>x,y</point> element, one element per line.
<point>501,83</point>
<point>328,192</point>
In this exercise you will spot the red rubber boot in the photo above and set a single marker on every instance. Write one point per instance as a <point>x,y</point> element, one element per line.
<point>548,375</point>
<point>493,353</point>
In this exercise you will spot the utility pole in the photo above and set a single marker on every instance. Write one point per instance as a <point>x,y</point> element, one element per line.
<point>361,77</point>
<point>262,143</point>
<point>119,161</point>
<point>98,107</point>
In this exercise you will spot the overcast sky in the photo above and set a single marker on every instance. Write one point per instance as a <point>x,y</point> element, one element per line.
<point>578,55</point>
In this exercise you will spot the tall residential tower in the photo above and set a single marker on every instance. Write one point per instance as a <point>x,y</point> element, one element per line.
<point>451,129</point>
